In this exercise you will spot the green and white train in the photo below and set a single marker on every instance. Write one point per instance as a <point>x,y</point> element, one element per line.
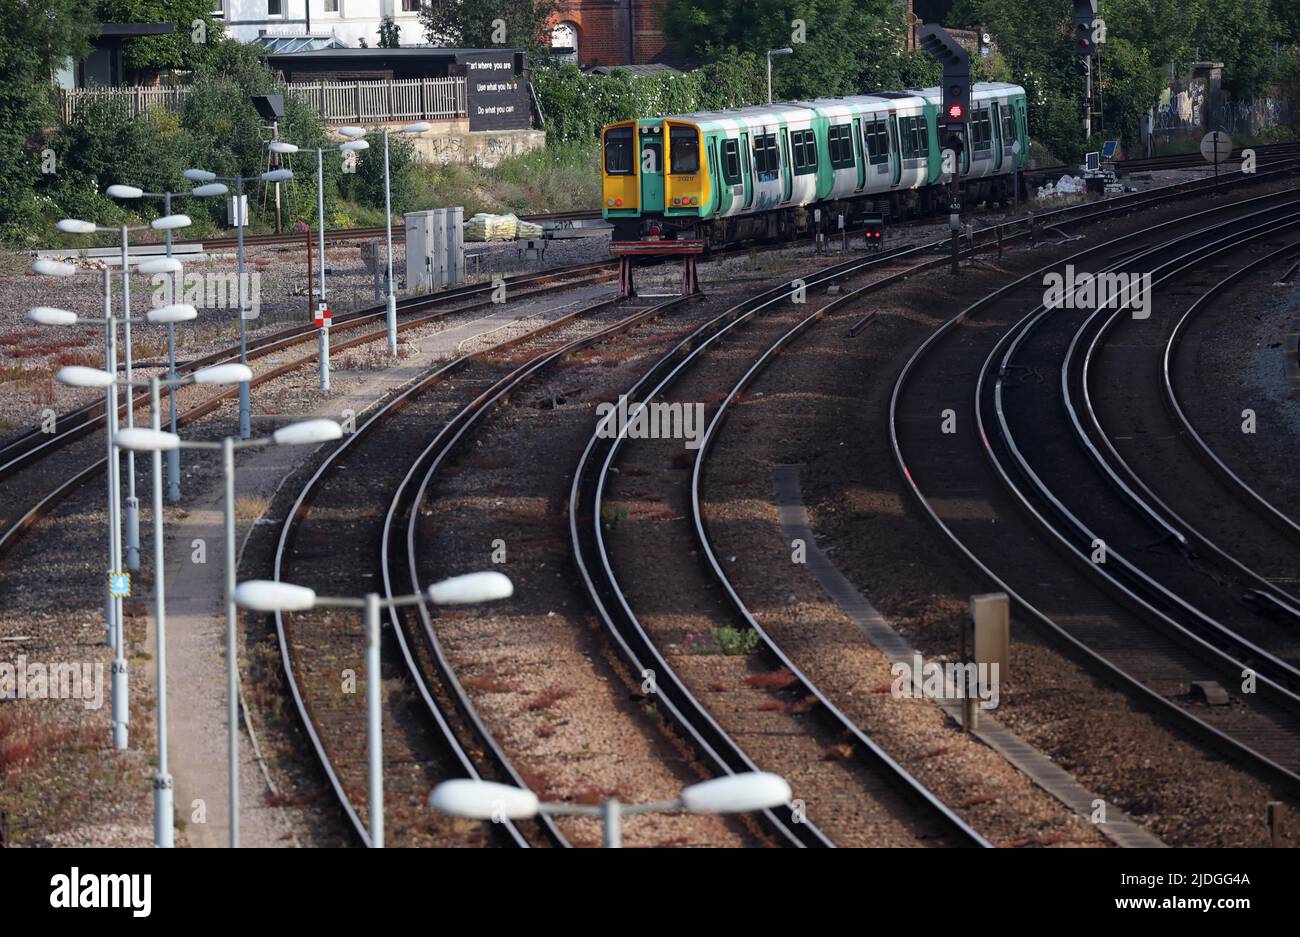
<point>760,172</point>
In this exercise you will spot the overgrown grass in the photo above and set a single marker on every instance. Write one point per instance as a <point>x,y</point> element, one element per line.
<point>558,177</point>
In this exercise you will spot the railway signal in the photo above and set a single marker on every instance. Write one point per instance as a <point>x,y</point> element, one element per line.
<point>1085,24</point>
<point>955,86</point>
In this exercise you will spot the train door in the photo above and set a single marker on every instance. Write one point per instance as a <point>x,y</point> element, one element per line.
<point>747,168</point>
<point>995,113</point>
<point>895,149</point>
<point>652,169</point>
<point>787,178</point>
<point>860,158</point>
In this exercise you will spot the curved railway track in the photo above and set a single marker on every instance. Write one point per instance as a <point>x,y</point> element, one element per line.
<point>1115,631</point>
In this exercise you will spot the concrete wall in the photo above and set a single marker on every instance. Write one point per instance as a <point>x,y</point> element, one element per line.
<point>450,141</point>
<point>1192,107</point>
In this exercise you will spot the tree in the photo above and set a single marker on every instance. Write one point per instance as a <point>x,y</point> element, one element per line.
<point>36,36</point>
<point>193,42</point>
<point>485,23</point>
<point>390,34</point>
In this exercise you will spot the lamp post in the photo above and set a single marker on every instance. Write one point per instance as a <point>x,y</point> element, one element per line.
<point>770,54</point>
<point>414,129</point>
<point>488,800</point>
<point>165,223</point>
<point>307,432</point>
<point>132,192</point>
<point>272,596</point>
<point>90,377</point>
<point>323,341</point>
<point>156,440</point>
<point>241,218</point>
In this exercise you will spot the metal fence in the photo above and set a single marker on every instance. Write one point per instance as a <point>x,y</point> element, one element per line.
<point>338,102</point>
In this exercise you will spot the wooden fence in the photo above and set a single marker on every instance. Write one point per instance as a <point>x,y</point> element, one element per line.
<point>338,102</point>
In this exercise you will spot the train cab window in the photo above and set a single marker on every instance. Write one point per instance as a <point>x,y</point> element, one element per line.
<point>839,139</point>
<point>981,130</point>
<point>684,150</point>
<point>767,162</point>
<point>731,162</point>
<point>803,145</point>
<point>618,151</point>
<point>876,135</point>
<point>1009,134</point>
<point>916,137</point>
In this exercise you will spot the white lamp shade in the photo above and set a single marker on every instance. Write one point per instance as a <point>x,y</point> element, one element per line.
<point>199,175</point>
<point>224,374</point>
<point>470,588</point>
<point>75,226</point>
<point>48,315</point>
<point>169,222</point>
<point>352,131</point>
<point>266,595</point>
<point>354,146</point>
<point>418,127</point>
<point>159,265</point>
<point>737,793</point>
<point>307,432</point>
<point>212,188</point>
<point>74,375</point>
<point>279,146</point>
<point>277,175</point>
<point>177,312</point>
<point>54,268</point>
<point>483,800</point>
<point>123,191</point>
<point>143,439</point>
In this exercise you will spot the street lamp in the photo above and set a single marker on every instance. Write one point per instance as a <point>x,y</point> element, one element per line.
<point>155,440</point>
<point>46,315</point>
<point>241,218</point>
<point>415,129</point>
<point>133,192</point>
<point>165,223</point>
<point>770,54</point>
<point>323,342</point>
<point>263,595</point>
<point>488,800</point>
<point>307,432</point>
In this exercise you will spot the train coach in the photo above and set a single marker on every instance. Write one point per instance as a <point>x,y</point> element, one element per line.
<point>760,172</point>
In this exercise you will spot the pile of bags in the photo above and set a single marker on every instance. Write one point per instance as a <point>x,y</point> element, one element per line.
<point>1066,185</point>
<point>487,227</point>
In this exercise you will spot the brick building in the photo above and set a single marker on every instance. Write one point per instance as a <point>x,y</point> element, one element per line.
<point>611,32</point>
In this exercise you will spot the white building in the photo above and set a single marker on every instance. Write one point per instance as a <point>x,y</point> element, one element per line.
<point>347,21</point>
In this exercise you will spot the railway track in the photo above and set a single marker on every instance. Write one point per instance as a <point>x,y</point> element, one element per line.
<point>631,620</point>
<point>1004,530</point>
<point>1265,154</point>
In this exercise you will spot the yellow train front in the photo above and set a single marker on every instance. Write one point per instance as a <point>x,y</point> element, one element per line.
<point>656,183</point>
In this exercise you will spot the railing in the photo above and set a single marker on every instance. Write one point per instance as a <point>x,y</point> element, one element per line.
<point>336,101</point>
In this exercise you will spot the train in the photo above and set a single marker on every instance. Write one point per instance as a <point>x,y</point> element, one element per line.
<point>761,173</point>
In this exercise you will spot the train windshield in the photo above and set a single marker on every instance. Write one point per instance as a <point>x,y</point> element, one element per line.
<point>618,151</point>
<point>685,151</point>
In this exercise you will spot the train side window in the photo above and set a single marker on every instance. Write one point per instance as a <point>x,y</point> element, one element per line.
<point>684,152</point>
<point>618,151</point>
<point>803,146</point>
<point>1009,134</point>
<point>840,142</point>
<point>766,161</point>
<point>731,162</point>
<point>915,137</point>
<point>876,134</point>
<point>981,130</point>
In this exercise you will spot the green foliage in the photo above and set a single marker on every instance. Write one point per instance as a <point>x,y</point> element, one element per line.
<point>844,46</point>
<point>178,49</point>
<point>390,34</point>
<point>470,23</point>
<point>35,36</point>
<point>366,185</point>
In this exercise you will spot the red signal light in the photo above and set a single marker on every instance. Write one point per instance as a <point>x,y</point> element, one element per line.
<point>956,112</point>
